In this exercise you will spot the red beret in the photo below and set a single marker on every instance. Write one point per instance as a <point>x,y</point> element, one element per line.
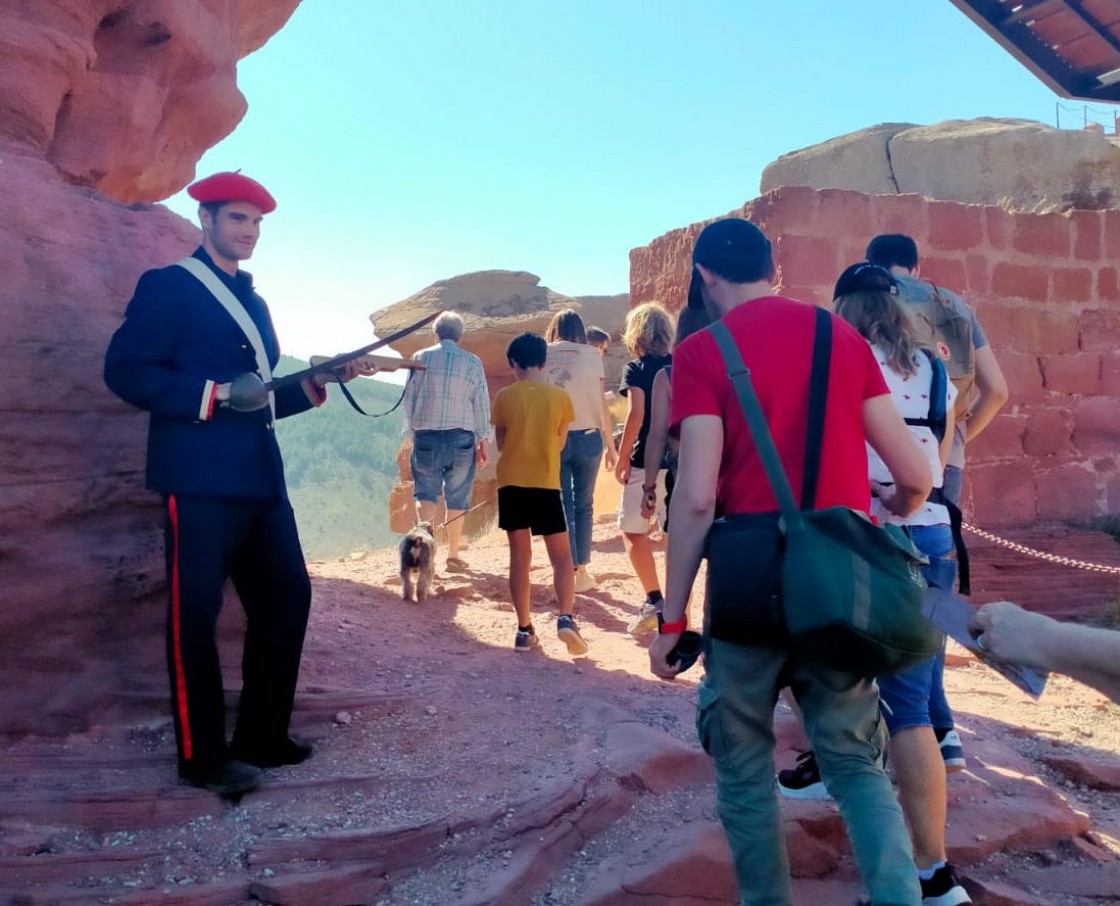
<point>222,187</point>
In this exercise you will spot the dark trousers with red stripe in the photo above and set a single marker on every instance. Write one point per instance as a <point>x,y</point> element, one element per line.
<point>253,542</point>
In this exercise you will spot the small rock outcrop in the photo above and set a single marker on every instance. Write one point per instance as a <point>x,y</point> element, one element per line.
<point>1020,163</point>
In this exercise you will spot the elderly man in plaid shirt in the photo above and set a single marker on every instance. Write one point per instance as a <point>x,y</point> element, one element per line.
<point>447,408</point>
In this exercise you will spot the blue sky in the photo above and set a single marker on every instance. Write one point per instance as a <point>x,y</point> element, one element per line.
<point>414,141</point>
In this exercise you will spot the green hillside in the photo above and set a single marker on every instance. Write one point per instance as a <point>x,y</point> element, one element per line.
<point>341,467</point>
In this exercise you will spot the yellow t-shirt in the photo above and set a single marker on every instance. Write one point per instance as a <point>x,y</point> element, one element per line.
<point>535,416</point>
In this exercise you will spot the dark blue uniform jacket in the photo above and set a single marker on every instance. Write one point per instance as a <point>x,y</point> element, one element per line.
<point>176,337</point>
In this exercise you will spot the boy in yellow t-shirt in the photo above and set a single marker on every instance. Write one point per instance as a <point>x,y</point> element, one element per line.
<point>531,419</point>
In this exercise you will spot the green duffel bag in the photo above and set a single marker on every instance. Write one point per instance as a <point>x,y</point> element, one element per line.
<point>852,593</point>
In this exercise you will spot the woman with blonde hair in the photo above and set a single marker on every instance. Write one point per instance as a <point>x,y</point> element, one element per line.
<point>577,368</point>
<point>649,338</point>
<point>866,296</point>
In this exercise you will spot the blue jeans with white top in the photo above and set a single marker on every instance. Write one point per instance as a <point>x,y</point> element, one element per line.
<point>579,466</point>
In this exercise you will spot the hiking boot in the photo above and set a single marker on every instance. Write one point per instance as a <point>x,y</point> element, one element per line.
<point>289,751</point>
<point>943,889</point>
<point>644,621</point>
<point>568,634</point>
<point>584,580</point>
<point>230,778</point>
<point>526,640</point>
<point>803,781</point>
<point>952,751</point>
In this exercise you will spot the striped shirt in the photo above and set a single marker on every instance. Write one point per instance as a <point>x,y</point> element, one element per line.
<point>451,393</point>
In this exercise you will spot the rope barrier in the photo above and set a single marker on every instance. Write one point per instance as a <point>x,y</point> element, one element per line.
<point>1042,555</point>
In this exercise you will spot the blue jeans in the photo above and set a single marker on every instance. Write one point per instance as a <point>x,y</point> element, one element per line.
<point>443,464</point>
<point>916,697</point>
<point>579,466</point>
<point>735,721</point>
<point>952,484</point>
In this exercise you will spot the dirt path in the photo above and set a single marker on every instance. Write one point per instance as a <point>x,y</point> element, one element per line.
<point>450,770</point>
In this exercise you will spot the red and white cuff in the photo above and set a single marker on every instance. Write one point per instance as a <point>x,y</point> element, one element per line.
<point>209,397</point>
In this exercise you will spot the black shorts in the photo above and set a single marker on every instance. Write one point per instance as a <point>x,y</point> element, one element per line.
<point>538,509</point>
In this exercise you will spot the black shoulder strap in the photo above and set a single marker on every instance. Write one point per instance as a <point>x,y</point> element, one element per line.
<point>937,413</point>
<point>818,399</point>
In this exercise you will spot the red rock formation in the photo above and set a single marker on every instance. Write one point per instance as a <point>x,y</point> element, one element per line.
<point>102,105</point>
<point>126,96</point>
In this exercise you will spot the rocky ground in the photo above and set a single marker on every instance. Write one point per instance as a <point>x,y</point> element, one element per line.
<point>450,770</point>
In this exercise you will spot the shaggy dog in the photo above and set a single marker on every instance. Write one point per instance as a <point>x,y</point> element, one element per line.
<point>418,562</point>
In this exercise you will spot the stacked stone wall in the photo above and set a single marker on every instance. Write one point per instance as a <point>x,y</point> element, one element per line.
<point>1047,291</point>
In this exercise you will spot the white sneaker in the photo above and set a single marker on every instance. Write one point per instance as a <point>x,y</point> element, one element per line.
<point>584,580</point>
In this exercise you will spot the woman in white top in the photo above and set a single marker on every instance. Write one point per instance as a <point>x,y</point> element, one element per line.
<point>866,296</point>
<point>578,368</point>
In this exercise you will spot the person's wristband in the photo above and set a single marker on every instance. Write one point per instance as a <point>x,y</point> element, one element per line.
<point>676,627</point>
<point>649,488</point>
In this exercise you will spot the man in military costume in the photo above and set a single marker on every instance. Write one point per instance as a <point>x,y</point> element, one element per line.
<point>190,330</point>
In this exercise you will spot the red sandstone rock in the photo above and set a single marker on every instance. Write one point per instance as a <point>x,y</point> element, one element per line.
<point>66,69</point>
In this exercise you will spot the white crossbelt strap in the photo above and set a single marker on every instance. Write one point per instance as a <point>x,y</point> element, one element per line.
<point>236,310</point>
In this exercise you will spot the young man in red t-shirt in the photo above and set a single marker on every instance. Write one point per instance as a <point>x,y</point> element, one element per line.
<point>720,474</point>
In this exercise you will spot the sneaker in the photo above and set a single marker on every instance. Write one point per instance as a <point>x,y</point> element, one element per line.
<point>569,635</point>
<point>645,621</point>
<point>230,778</point>
<point>526,641</point>
<point>803,781</point>
<point>584,580</point>
<point>943,889</point>
<point>952,751</point>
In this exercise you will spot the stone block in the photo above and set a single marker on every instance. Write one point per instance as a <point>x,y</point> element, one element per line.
<point>1020,281</point>
<point>954,227</point>
<point>807,260</point>
<point>790,207</point>
<point>1023,374</point>
<point>1002,493</point>
<point>1096,426</point>
<point>997,223</point>
<point>1002,439</point>
<point>1041,235</point>
<point>1048,432</point>
<point>1110,374</point>
<point>901,214</point>
<point>1112,235</point>
<point>1078,374</point>
<point>996,318</point>
<point>1099,330</point>
<point>1087,233</point>
<point>948,271</point>
<point>1042,330</point>
<point>842,212</point>
<point>979,274</point>
<point>1108,289</point>
<point>1072,284</point>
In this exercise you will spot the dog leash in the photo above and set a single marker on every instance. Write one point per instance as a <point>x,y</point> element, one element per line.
<point>464,513</point>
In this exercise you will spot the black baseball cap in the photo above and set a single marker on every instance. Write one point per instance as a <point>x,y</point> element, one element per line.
<point>734,249</point>
<point>865,277</point>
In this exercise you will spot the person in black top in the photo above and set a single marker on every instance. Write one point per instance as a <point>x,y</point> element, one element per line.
<point>649,337</point>
<point>189,331</point>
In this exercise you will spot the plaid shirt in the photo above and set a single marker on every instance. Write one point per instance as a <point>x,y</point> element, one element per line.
<point>451,393</point>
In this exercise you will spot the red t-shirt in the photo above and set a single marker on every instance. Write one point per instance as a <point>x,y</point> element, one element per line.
<point>775,338</point>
